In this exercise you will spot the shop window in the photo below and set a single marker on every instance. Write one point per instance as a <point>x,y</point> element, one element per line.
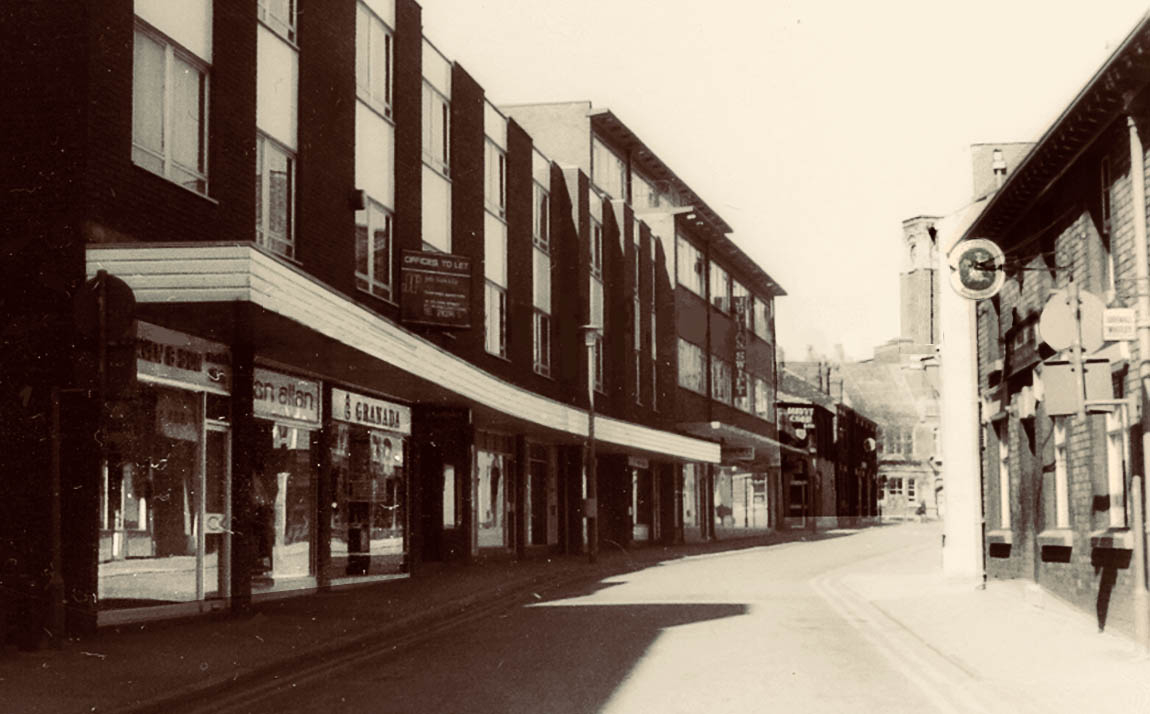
<point>373,60</point>
<point>542,497</point>
<point>373,250</point>
<point>492,499</point>
<point>169,111</point>
<point>275,197</point>
<point>369,510</point>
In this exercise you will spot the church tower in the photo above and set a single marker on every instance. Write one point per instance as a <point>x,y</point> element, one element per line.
<point>919,282</point>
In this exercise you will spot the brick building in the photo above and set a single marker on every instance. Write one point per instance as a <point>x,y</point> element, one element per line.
<point>1057,504</point>
<point>363,355</point>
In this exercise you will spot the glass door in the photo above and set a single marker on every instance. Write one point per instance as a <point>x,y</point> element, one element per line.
<point>215,545</point>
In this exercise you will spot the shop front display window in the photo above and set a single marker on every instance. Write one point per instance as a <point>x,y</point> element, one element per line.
<point>156,544</point>
<point>369,513</point>
<point>283,501</point>
<point>492,499</point>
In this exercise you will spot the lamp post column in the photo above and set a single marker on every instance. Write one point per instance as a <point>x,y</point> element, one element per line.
<point>591,504</point>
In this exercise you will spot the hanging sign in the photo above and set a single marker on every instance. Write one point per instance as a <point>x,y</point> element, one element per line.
<point>369,411</point>
<point>976,268</point>
<point>276,395</point>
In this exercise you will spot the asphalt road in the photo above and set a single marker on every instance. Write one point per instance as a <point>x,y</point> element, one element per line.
<point>757,630</point>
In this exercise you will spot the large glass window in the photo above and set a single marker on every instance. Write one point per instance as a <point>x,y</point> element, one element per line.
<point>373,60</point>
<point>494,470</point>
<point>436,129</point>
<point>597,307</point>
<point>369,503</point>
<point>541,279</point>
<point>689,264</point>
<point>691,366</point>
<point>495,306</point>
<point>373,266</point>
<point>540,216</point>
<point>275,197</point>
<point>169,111</point>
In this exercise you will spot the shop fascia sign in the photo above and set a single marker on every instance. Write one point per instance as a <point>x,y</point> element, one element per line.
<point>282,396</point>
<point>370,412</point>
<point>173,356</point>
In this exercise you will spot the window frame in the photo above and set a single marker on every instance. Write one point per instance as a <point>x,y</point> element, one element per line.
<point>368,282</point>
<point>431,95</point>
<point>541,216</point>
<point>495,335</point>
<point>541,350</point>
<point>684,250</point>
<point>1002,436</point>
<point>173,51</point>
<point>1060,437</point>
<point>691,356</point>
<point>722,302</point>
<point>263,141</point>
<point>494,179</point>
<point>1117,448</point>
<point>285,28</point>
<point>365,90</point>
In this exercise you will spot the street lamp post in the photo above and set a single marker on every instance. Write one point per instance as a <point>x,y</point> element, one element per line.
<point>591,335</point>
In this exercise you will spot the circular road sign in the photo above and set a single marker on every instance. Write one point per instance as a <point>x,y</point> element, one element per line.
<point>1057,324</point>
<point>976,268</point>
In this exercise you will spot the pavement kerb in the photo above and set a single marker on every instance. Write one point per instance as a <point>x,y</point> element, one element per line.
<point>570,571</point>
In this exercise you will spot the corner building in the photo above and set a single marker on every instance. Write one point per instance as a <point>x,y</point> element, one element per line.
<point>292,407</point>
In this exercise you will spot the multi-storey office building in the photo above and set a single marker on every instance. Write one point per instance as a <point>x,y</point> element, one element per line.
<point>710,337</point>
<point>364,353</point>
<point>1057,504</point>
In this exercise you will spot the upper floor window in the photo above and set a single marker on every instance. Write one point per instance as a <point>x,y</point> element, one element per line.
<point>275,196</point>
<point>1117,447</point>
<point>721,384</point>
<point>741,304</point>
<point>541,217</point>
<point>436,128</point>
<point>373,60</point>
<point>279,15</point>
<point>596,247</point>
<point>1003,433</point>
<point>764,399</point>
<point>608,171</point>
<point>1061,475</point>
<point>495,192</point>
<point>691,366</point>
<point>720,288</point>
<point>373,250</point>
<point>169,111</point>
<point>762,318</point>
<point>541,301</point>
<point>689,266</point>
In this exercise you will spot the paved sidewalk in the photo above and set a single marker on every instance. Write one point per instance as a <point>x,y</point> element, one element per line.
<point>1026,650</point>
<point>149,668</point>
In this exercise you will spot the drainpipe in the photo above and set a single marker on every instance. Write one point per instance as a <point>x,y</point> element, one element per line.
<point>1142,273</point>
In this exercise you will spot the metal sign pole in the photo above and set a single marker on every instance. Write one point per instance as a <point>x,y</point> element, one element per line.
<point>1076,350</point>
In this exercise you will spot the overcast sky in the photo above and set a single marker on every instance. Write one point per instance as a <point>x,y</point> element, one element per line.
<point>813,128</point>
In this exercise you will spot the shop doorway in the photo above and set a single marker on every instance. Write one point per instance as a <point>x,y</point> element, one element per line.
<point>642,505</point>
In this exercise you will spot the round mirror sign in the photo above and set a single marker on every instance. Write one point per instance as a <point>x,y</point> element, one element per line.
<point>976,269</point>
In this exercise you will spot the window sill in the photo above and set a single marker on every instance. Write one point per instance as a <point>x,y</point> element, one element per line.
<point>376,107</point>
<point>1056,538</point>
<point>180,186</point>
<point>1112,539</point>
<point>1000,537</point>
<point>373,296</point>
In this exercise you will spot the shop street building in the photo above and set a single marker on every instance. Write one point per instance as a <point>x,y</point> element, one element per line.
<point>291,305</point>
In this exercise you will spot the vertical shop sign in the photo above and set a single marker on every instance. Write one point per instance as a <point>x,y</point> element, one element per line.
<point>436,289</point>
<point>282,396</point>
<point>740,347</point>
